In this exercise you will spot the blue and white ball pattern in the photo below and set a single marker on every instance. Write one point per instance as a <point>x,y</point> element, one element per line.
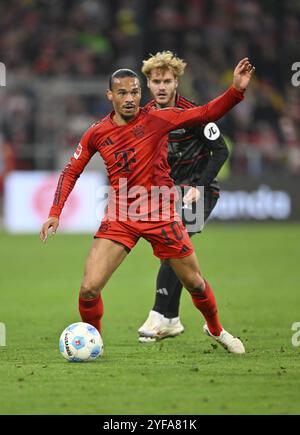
<point>80,342</point>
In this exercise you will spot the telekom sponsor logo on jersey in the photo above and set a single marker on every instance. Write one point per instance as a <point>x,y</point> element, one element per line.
<point>161,203</point>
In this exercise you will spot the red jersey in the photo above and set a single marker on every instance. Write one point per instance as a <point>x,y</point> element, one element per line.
<point>138,150</point>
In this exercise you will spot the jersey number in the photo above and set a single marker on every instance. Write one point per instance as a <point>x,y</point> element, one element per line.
<point>176,230</point>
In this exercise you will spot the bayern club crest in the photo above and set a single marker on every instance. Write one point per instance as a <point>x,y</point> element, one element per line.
<point>138,131</point>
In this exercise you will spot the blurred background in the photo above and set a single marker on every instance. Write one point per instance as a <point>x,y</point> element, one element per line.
<point>58,55</point>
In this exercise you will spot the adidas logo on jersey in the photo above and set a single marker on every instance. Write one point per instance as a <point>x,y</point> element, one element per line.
<point>162,291</point>
<point>108,141</point>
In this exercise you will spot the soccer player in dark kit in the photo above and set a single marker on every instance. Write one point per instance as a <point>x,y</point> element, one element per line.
<point>195,156</point>
<point>127,139</point>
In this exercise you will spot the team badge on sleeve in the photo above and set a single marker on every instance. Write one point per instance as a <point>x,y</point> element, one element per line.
<point>211,131</point>
<point>78,151</point>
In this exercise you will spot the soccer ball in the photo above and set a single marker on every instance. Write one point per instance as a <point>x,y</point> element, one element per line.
<point>80,342</point>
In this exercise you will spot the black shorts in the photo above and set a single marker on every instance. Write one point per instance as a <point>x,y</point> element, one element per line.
<point>211,196</point>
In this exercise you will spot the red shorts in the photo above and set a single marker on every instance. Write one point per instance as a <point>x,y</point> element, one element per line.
<point>168,239</point>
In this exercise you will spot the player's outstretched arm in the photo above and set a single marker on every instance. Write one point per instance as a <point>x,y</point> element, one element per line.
<point>53,223</point>
<point>242,74</point>
<point>212,111</point>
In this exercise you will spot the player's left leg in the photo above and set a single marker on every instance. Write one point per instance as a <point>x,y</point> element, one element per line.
<point>188,271</point>
<point>168,240</point>
<point>171,241</point>
<point>169,287</point>
<point>170,306</point>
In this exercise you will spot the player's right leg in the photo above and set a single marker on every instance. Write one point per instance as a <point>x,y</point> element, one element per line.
<point>103,259</point>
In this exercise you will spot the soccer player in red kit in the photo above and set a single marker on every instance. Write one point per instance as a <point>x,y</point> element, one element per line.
<point>127,140</point>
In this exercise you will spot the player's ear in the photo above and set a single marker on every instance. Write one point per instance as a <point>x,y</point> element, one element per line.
<point>176,83</point>
<point>109,95</point>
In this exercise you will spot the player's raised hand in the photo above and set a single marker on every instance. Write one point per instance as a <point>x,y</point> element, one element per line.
<point>242,74</point>
<point>53,223</point>
<point>192,195</point>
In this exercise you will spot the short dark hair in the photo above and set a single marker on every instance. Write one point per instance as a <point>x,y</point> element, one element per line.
<point>121,73</point>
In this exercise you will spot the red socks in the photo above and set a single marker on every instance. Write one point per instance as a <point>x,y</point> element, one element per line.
<point>91,311</point>
<point>208,308</point>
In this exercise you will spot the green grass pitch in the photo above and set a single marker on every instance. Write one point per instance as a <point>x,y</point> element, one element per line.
<point>254,270</point>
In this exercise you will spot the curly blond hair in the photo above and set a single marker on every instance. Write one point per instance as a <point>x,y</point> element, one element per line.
<point>165,60</point>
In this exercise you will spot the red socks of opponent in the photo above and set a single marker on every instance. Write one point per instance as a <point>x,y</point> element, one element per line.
<point>91,311</point>
<point>208,308</point>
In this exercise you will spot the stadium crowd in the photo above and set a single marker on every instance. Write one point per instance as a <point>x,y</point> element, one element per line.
<point>86,39</point>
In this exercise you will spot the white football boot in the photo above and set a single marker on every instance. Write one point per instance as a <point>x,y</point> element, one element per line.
<point>229,342</point>
<point>157,327</point>
<point>151,325</point>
